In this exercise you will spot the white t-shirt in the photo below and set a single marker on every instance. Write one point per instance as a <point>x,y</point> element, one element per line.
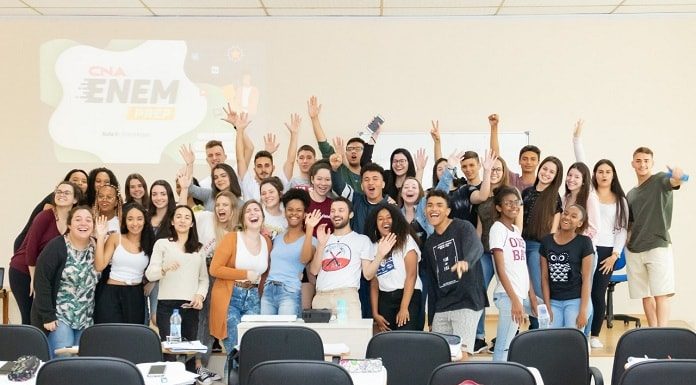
<point>248,261</point>
<point>274,224</point>
<point>205,224</point>
<point>341,264</point>
<point>251,188</point>
<point>391,273</point>
<point>513,247</point>
<point>114,225</point>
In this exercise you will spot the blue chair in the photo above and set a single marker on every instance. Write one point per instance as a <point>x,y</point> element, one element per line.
<point>616,278</point>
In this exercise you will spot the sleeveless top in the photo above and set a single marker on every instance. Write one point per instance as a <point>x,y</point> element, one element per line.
<point>128,267</point>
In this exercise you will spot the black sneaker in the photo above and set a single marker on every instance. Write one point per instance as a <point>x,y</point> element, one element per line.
<point>480,345</point>
<point>491,347</point>
<point>206,377</point>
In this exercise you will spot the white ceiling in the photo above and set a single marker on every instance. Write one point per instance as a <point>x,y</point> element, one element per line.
<point>384,8</point>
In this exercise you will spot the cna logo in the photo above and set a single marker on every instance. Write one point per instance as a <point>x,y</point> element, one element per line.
<point>138,99</point>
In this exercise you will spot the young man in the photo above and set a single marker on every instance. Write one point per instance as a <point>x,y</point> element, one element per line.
<point>339,261</point>
<point>306,156</point>
<point>649,261</point>
<point>528,160</point>
<point>456,297</point>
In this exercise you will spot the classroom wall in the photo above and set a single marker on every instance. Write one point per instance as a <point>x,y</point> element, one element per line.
<point>630,77</point>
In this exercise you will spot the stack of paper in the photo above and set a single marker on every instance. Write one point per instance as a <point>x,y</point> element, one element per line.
<point>185,346</point>
<point>174,374</point>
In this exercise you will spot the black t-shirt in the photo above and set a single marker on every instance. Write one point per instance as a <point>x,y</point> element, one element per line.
<point>460,203</point>
<point>565,265</point>
<point>529,198</point>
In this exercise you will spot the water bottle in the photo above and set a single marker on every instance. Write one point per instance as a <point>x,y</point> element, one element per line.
<point>341,310</point>
<point>684,177</point>
<point>175,327</point>
<point>543,316</point>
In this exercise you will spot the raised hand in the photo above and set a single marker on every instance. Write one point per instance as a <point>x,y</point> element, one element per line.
<point>313,107</point>
<point>187,154</point>
<point>102,227</point>
<point>294,126</point>
<point>323,233</point>
<point>493,121</point>
<point>312,219</point>
<point>336,160</point>
<point>489,160</point>
<point>385,245</point>
<point>230,115</point>
<point>269,143</point>
<point>435,130</point>
<point>577,131</point>
<point>339,146</point>
<point>184,177</point>
<point>455,159</point>
<point>421,159</point>
<point>242,121</point>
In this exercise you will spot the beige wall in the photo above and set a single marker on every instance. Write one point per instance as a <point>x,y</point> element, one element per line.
<point>631,78</point>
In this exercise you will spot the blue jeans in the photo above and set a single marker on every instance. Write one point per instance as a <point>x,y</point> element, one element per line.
<point>488,272</point>
<point>590,307</point>
<point>507,328</point>
<point>534,267</point>
<point>243,301</point>
<point>279,298</point>
<point>565,313</point>
<point>62,337</point>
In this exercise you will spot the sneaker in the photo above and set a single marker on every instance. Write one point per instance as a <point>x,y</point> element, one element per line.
<point>491,347</point>
<point>595,343</point>
<point>480,345</point>
<point>206,377</point>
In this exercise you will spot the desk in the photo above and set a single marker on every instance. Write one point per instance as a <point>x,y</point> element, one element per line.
<point>5,306</point>
<point>354,333</point>
<point>175,374</point>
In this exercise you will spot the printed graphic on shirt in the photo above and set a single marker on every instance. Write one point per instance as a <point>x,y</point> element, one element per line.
<point>385,266</point>
<point>446,257</point>
<point>518,248</point>
<point>336,257</point>
<point>559,267</point>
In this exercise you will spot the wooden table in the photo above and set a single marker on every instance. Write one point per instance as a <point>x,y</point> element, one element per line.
<point>5,306</point>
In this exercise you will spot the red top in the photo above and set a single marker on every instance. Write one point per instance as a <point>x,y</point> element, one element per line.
<point>42,230</point>
<point>325,208</point>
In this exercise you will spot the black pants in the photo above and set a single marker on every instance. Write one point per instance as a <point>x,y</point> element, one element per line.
<point>389,303</point>
<point>20,284</point>
<point>189,325</point>
<point>600,282</point>
<point>120,304</point>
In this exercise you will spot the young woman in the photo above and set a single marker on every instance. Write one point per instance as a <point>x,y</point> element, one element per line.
<point>292,250</point>
<point>136,190</point>
<point>97,178</point>
<point>402,166</point>
<point>274,219</point>
<point>610,240</point>
<point>109,204</point>
<point>224,179</point>
<point>239,261</point>
<point>566,270</point>
<point>541,215</point>
<point>77,176</point>
<point>578,189</point>
<point>396,291</point>
<point>64,282</point>
<point>121,298</point>
<point>179,267</point>
<point>513,296</point>
<point>47,225</point>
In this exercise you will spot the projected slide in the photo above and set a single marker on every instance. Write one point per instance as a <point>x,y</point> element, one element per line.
<point>135,101</point>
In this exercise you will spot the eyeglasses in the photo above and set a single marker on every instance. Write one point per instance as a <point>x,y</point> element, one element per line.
<point>63,192</point>
<point>497,169</point>
<point>106,197</point>
<point>513,203</point>
<point>399,161</point>
<point>354,148</point>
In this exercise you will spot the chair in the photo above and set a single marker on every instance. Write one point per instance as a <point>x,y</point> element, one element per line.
<point>654,343</point>
<point>89,371</point>
<point>672,372</point>
<point>499,373</point>
<point>20,340</point>
<point>409,356</point>
<point>135,343</point>
<point>297,372</point>
<point>560,355</point>
<point>613,281</point>
<point>266,343</point>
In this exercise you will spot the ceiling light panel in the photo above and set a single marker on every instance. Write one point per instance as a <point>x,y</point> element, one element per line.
<point>442,3</point>
<point>321,3</point>
<point>214,12</point>
<point>203,3</point>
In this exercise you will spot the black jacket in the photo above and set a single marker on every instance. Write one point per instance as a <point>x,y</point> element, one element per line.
<point>49,269</point>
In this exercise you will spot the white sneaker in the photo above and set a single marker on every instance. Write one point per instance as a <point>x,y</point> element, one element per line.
<point>595,343</point>
<point>206,377</point>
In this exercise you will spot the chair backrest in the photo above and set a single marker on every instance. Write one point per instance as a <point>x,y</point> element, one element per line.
<point>298,372</point>
<point>499,373</point>
<point>89,371</point>
<point>560,355</point>
<point>20,340</point>
<point>135,343</point>
<point>409,356</point>
<point>654,343</point>
<point>266,343</point>
<point>672,372</point>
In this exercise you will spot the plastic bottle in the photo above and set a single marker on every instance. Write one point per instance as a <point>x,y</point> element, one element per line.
<point>684,177</point>
<point>543,316</point>
<point>175,327</point>
<point>341,310</point>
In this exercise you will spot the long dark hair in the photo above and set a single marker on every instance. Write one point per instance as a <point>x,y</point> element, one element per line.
<point>411,170</point>
<point>545,207</point>
<point>129,198</point>
<point>234,180</point>
<point>146,236</point>
<point>192,245</point>
<point>163,230</point>
<point>400,227</point>
<point>584,191</point>
<point>91,178</point>
<point>615,188</point>
<point>436,180</point>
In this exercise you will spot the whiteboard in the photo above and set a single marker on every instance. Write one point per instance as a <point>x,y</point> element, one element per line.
<point>510,145</point>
